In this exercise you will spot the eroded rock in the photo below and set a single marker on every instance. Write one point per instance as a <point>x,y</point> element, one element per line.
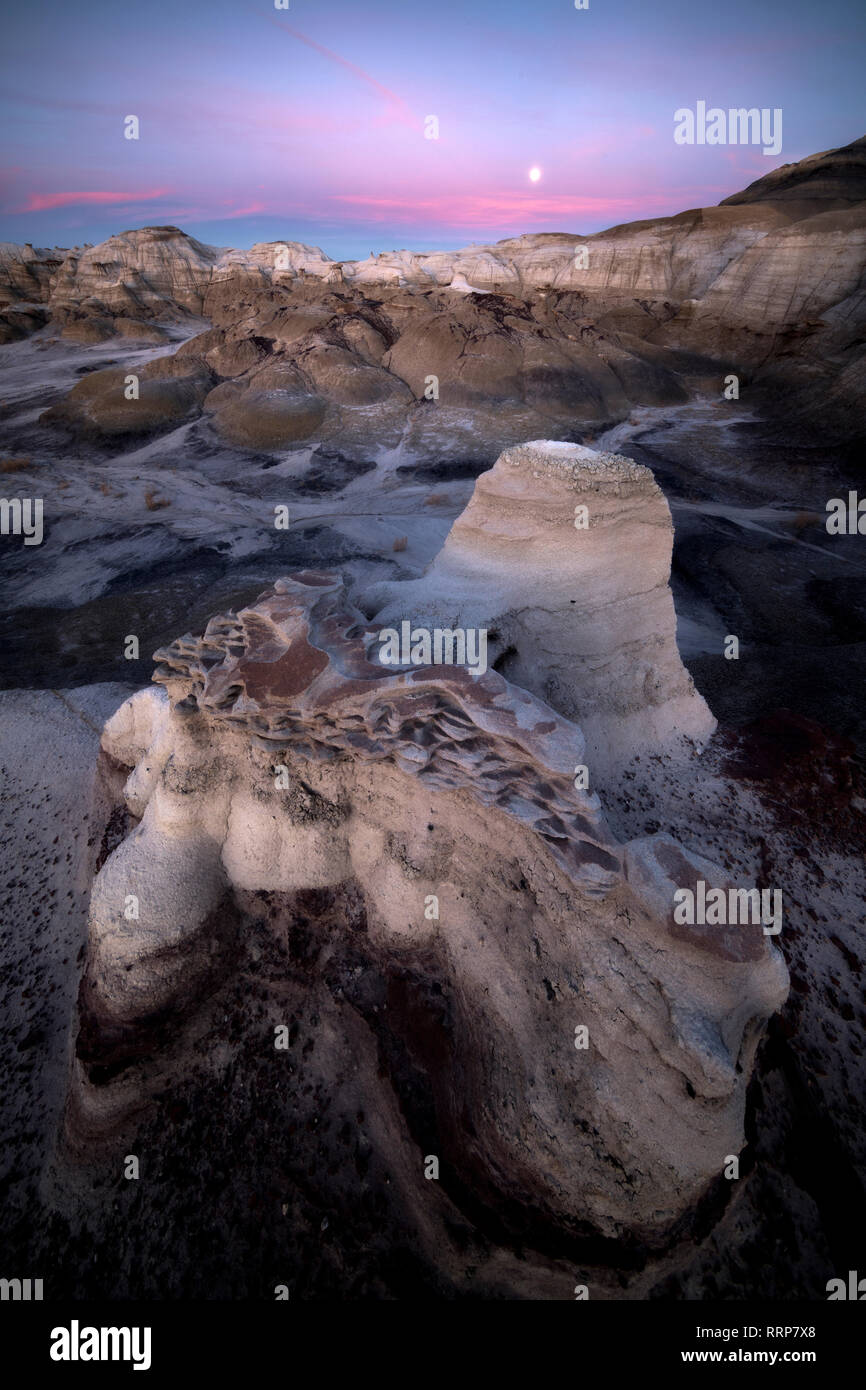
<point>280,760</point>
<point>564,555</point>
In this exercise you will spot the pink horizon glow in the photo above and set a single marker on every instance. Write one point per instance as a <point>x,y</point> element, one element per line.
<point>318,133</point>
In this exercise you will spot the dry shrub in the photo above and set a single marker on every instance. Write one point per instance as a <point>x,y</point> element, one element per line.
<point>153,503</point>
<point>401,542</point>
<point>14,465</point>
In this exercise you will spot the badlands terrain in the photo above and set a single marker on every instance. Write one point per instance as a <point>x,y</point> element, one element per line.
<point>377,904</point>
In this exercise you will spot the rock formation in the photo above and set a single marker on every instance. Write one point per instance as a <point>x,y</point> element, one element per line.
<point>434,809</point>
<point>564,555</point>
<point>400,867</point>
<point>568,328</point>
<point>309,361</point>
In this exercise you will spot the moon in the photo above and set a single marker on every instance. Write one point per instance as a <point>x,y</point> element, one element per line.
<point>534,174</point>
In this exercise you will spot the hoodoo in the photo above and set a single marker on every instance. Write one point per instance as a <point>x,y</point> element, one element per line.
<point>280,760</point>
<point>580,614</point>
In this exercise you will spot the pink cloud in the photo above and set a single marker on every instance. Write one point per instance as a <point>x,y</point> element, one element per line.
<point>480,210</point>
<point>40,202</point>
<point>244,212</point>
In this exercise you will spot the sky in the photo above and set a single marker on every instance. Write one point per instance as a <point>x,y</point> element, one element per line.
<point>311,123</point>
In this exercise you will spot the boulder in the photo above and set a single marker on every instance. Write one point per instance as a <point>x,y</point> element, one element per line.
<point>170,392</point>
<point>265,420</point>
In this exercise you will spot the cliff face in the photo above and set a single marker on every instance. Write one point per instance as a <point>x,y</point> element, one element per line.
<point>27,273</point>
<point>802,281</point>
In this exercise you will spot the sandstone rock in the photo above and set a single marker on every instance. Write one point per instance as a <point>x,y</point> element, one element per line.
<point>342,377</point>
<point>365,340</point>
<point>19,320</point>
<point>157,269</point>
<point>170,391</point>
<point>172,367</point>
<point>86,328</point>
<point>275,374</point>
<point>440,345</point>
<point>621,1137</point>
<point>288,258</point>
<point>583,616</point>
<point>497,349</point>
<point>223,394</point>
<point>137,328</point>
<point>230,357</point>
<point>26,272</point>
<point>269,419</point>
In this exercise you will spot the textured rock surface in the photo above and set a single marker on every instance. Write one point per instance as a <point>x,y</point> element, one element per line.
<point>169,391</point>
<point>366,363</point>
<point>397,787</point>
<point>583,616</point>
<point>144,270</point>
<point>831,177</point>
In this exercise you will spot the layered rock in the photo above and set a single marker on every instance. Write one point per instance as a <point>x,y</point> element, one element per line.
<point>435,811</point>
<point>25,278</point>
<point>833,178</point>
<point>564,555</point>
<point>802,281</point>
<point>26,272</point>
<point>576,328</point>
<point>157,271</point>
